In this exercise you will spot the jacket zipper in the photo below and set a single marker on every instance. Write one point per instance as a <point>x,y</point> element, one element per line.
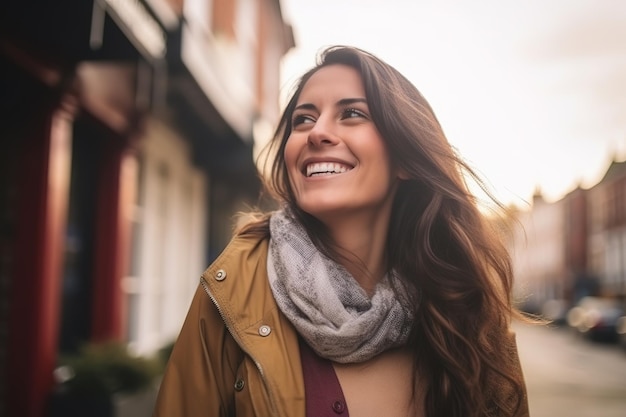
<point>205,285</point>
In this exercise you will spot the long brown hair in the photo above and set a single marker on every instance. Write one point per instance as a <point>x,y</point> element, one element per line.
<point>456,270</point>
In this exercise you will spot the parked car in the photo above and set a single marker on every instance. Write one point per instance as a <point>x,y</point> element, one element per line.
<point>621,331</point>
<point>596,318</point>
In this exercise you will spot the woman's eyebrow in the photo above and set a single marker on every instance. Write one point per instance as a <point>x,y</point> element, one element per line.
<point>348,101</point>
<point>305,106</point>
<point>340,103</point>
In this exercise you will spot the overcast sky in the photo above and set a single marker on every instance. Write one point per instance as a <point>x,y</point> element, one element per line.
<point>532,93</point>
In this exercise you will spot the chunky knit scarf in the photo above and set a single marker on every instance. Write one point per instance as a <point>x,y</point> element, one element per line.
<point>327,306</point>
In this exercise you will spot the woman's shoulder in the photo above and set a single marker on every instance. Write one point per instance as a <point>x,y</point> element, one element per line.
<point>243,251</point>
<point>239,270</point>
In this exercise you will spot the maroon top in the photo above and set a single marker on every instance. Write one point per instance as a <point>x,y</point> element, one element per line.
<point>323,394</point>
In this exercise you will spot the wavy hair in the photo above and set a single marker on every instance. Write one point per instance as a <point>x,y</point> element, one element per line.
<point>456,270</point>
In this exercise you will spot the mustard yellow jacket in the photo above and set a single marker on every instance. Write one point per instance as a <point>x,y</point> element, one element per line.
<point>236,354</point>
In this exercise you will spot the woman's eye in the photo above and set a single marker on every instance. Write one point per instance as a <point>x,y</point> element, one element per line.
<point>351,113</point>
<point>301,118</point>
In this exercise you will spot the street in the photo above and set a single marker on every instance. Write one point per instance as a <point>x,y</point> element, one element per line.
<point>568,376</point>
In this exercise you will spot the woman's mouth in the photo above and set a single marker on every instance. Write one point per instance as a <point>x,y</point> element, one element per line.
<point>316,169</point>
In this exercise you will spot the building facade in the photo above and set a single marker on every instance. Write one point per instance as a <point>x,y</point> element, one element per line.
<point>607,236</point>
<point>575,247</point>
<point>538,254</point>
<point>127,149</point>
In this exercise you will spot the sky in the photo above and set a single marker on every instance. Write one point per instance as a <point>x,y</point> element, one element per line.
<point>531,93</point>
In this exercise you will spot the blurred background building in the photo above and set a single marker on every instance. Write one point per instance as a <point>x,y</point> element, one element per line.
<point>126,147</point>
<point>572,248</point>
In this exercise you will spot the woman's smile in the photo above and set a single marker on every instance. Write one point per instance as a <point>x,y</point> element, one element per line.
<point>317,169</point>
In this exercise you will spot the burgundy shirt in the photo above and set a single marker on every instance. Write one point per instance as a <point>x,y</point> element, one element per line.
<point>323,394</point>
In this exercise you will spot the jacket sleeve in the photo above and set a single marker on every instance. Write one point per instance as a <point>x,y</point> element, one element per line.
<point>200,375</point>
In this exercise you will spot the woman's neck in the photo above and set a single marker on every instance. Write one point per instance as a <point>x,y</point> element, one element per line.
<point>362,241</point>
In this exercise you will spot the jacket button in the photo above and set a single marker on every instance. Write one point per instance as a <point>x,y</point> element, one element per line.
<point>338,407</point>
<point>265,330</point>
<point>220,275</point>
<point>239,384</point>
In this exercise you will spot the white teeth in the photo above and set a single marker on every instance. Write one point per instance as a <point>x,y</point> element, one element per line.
<point>325,168</point>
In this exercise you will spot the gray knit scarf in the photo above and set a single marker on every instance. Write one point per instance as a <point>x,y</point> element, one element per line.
<point>327,306</point>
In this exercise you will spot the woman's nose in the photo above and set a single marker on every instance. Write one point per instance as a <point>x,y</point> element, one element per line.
<point>322,134</point>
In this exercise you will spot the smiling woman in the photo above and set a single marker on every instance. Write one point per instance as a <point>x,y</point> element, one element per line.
<point>378,288</point>
<point>337,161</point>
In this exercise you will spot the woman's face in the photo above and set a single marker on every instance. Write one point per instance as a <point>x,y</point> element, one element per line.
<point>335,157</point>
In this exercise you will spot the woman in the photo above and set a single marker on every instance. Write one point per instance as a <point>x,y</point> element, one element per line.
<point>378,288</point>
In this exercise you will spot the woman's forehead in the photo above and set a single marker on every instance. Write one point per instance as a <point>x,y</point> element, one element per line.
<point>330,81</point>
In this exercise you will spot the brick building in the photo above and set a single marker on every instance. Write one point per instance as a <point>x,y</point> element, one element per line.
<point>573,247</point>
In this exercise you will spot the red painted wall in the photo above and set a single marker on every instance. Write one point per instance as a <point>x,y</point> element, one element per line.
<point>34,313</point>
<point>118,179</point>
